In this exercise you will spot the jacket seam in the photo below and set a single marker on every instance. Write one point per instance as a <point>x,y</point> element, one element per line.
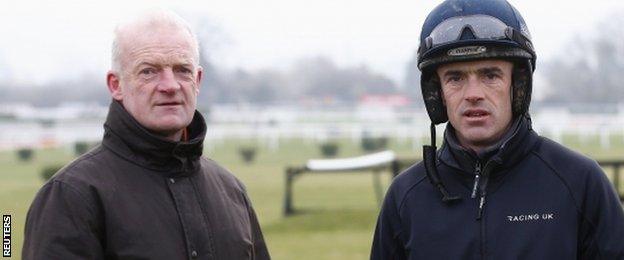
<point>89,155</point>
<point>402,202</point>
<point>185,228</point>
<point>404,197</point>
<point>82,197</point>
<point>69,169</point>
<point>206,218</point>
<point>576,203</point>
<point>248,207</point>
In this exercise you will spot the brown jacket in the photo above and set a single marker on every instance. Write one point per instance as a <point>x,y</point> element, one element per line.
<point>138,196</point>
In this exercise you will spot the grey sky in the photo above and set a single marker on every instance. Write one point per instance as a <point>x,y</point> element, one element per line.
<point>44,40</point>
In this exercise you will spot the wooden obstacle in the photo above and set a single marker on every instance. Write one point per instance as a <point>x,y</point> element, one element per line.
<point>378,162</point>
<point>375,163</point>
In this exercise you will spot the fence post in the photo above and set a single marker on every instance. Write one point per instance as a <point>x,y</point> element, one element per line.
<point>377,186</point>
<point>288,194</point>
<point>395,167</point>
<point>616,178</point>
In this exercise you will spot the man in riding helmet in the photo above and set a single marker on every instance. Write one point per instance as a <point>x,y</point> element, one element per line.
<point>495,189</point>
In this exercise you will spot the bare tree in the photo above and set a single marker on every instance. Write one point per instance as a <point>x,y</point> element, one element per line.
<point>320,77</point>
<point>411,82</point>
<point>589,70</point>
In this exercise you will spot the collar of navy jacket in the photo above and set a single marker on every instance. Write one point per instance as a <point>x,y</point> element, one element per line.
<point>496,160</point>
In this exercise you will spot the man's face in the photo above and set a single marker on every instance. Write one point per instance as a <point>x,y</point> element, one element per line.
<point>159,80</point>
<point>477,95</point>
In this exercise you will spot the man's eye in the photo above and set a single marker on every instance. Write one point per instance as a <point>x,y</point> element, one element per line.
<point>183,70</point>
<point>148,71</point>
<point>454,79</point>
<point>491,76</point>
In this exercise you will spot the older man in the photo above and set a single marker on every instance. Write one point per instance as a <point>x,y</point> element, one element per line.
<point>146,192</point>
<point>499,190</point>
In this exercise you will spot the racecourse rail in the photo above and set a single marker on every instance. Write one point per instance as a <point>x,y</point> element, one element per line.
<point>385,161</point>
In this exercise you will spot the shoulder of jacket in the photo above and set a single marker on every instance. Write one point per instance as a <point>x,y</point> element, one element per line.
<point>580,174</point>
<point>563,160</point>
<point>81,169</point>
<point>75,179</point>
<point>213,169</point>
<point>406,182</point>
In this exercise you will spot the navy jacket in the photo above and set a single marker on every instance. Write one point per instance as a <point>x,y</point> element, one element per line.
<point>540,201</point>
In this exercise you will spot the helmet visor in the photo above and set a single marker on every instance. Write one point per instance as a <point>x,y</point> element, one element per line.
<point>483,27</point>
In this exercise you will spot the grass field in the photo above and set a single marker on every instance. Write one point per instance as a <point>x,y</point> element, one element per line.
<point>337,211</point>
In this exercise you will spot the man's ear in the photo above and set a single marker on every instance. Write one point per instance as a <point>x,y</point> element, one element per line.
<point>114,86</point>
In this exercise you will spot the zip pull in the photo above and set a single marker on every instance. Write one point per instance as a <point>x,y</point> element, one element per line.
<point>476,180</point>
<point>481,203</point>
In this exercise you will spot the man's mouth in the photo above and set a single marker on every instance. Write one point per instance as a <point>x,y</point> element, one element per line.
<point>168,104</point>
<point>476,113</point>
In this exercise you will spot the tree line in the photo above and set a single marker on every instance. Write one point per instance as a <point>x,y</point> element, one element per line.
<point>586,71</point>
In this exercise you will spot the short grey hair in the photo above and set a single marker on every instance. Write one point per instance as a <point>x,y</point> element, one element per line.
<point>156,17</point>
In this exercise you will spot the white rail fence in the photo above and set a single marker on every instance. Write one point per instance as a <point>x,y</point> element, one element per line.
<point>270,126</point>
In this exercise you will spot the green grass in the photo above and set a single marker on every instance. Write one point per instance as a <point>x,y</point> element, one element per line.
<point>336,212</point>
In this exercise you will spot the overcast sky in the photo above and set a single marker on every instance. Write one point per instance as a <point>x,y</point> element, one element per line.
<point>49,40</point>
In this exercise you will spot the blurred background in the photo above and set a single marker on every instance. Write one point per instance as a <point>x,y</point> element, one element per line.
<point>287,81</point>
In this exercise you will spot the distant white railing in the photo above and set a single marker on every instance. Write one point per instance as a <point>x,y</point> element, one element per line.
<point>270,126</point>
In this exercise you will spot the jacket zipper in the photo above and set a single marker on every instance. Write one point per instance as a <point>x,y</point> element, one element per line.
<point>481,187</point>
<point>475,186</point>
<point>481,204</point>
<point>478,187</point>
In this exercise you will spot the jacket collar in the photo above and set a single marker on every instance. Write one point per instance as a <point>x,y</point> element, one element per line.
<point>514,146</point>
<point>130,140</point>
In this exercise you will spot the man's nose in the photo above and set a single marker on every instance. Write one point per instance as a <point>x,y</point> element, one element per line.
<point>168,82</point>
<point>473,91</point>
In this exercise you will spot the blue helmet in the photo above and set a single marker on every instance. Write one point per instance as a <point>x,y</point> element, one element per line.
<point>465,30</point>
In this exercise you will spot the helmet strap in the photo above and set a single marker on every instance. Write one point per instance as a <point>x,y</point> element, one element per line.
<point>429,159</point>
